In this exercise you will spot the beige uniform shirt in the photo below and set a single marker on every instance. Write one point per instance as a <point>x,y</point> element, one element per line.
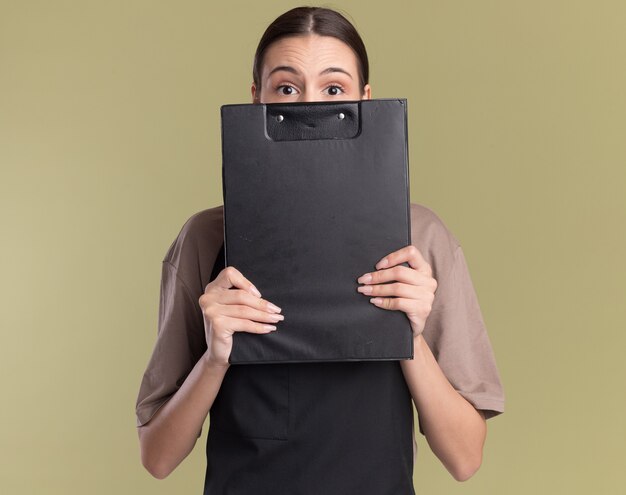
<point>455,330</point>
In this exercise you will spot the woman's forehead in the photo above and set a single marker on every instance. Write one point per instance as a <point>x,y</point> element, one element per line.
<point>309,54</point>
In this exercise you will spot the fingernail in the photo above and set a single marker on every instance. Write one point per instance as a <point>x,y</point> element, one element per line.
<point>365,289</point>
<point>384,262</point>
<point>277,317</point>
<point>365,279</point>
<point>273,307</point>
<point>269,327</point>
<point>376,300</point>
<point>255,291</point>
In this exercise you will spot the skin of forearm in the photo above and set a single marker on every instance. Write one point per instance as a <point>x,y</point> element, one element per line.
<point>454,429</point>
<point>172,432</point>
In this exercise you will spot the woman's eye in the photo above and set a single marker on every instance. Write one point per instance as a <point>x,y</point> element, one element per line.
<point>286,87</point>
<point>287,90</point>
<point>334,90</point>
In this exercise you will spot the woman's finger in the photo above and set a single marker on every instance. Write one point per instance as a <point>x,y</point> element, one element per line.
<point>399,274</point>
<point>412,307</point>
<point>248,313</point>
<point>231,277</point>
<point>232,325</point>
<point>408,291</point>
<point>409,254</point>
<point>237,296</point>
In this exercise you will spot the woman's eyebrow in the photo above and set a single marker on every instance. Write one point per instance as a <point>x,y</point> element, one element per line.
<point>293,70</point>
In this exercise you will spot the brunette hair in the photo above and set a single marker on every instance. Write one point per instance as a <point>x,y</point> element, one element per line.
<point>312,20</point>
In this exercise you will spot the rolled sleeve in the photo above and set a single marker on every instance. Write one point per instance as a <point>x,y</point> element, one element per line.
<point>179,345</point>
<point>456,334</point>
<point>188,266</point>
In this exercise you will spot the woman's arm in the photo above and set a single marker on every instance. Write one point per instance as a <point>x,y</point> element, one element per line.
<point>229,304</point>
<point>172,432</point>
<point>455,430</point>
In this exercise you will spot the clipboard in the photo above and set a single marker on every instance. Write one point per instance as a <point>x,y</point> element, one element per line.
<point>315,194</point>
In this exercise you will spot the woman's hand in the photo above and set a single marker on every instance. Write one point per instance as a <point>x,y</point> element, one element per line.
<point>228,310</point>
<point>413,291</point>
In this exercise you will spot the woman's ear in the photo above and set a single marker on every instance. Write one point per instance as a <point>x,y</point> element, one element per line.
<point>367,92</point>
<point>254,95</point>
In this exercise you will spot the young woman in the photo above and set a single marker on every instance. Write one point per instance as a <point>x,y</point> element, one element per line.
<point>336,427</point>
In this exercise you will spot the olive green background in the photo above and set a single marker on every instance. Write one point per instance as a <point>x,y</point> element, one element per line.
<point>109,141</point>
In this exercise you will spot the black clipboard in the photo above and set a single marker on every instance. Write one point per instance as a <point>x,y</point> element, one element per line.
<point>315,194</point>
